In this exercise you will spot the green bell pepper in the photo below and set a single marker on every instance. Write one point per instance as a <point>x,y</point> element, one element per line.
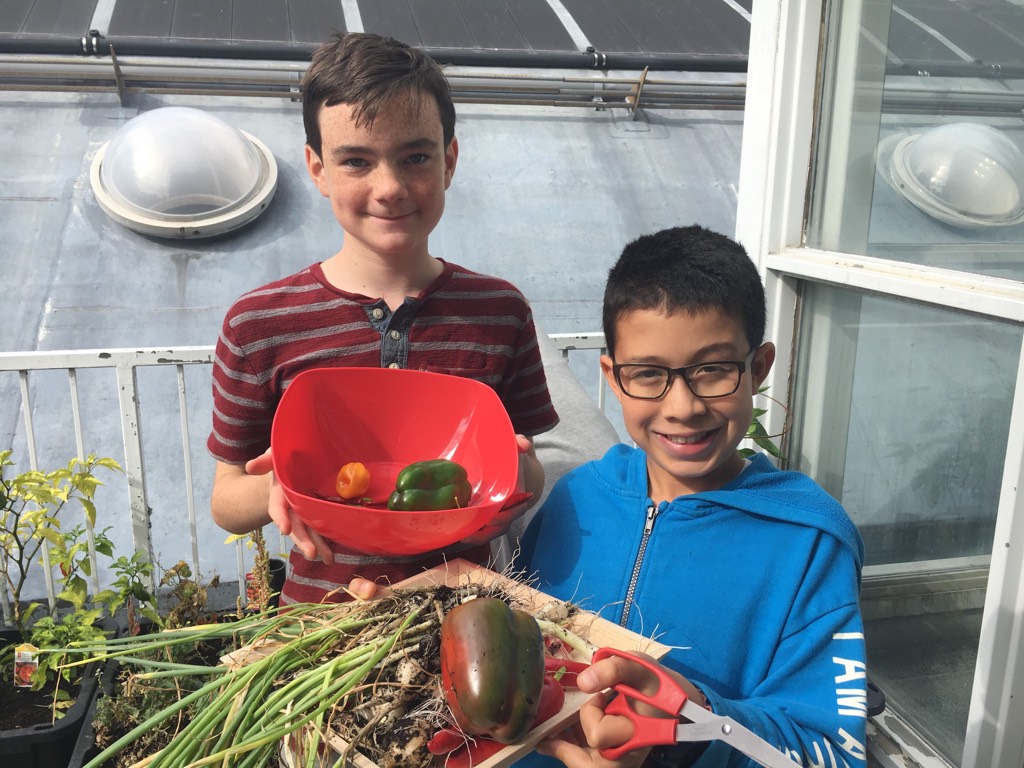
<point>492,668</point>
<point>434,484</point>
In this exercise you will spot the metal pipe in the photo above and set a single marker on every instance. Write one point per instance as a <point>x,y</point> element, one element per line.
<point>280,79</point>
<point>262,78</point>
<point>975,69</point>
<point>93,43</point>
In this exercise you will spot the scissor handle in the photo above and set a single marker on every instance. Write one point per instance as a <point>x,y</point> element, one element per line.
<point>647,731</point>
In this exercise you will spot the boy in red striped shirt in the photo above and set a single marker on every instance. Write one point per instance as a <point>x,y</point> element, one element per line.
<point>380,145</point>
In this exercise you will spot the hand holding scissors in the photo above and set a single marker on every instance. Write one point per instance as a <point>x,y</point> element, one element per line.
<point>671,699</point>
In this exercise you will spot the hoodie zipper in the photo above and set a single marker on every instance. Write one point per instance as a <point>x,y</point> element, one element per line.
<point>627,605</point>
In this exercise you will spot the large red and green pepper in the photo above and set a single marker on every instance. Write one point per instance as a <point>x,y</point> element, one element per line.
<point>492,668</point>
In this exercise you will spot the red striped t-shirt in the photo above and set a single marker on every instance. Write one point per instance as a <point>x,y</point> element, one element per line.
<point>464,323</point>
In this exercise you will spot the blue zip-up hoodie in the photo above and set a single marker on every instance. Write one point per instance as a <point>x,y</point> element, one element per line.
<point>755,586</point>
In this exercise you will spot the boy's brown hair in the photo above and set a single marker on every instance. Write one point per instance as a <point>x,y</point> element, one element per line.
<point>367,71</point>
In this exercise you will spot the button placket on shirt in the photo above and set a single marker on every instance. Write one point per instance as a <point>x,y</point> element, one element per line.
<point>394,331</point>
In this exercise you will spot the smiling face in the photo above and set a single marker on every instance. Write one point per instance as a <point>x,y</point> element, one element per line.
<point>386,181</point>
<point>690,442</point>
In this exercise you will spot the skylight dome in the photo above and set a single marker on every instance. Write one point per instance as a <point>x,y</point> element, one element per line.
<point>964,174</point>
<point>183,173</point>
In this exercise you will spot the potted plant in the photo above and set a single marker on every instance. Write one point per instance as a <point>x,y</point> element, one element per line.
<point>47,710</point>
<point>759,435</point>
<point>186,634</point>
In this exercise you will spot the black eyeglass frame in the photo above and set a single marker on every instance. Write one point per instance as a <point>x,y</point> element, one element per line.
<point>742,365</point>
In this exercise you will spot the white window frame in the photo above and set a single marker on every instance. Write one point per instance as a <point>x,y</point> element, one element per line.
<point>779,122</point>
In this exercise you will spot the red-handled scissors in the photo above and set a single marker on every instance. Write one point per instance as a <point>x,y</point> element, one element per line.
<point>672,699</point>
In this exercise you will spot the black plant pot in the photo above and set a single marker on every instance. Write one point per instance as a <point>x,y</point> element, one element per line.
<point>278,572</point>
<point>85,748</point>
<point>47,746</point>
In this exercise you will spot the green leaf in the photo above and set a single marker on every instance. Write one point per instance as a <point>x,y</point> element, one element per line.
<point>32,608</point>
<point>104,546</point>
<point>106,597</point>
<point>90,510</point>
<point>75,592</point>
<point>106,462</point>
<point>88,618</point>
<point>769,446</point>
<point>152,615</point>
<point>757,432</point>
<point>50,535</point>
<point>140,593</point>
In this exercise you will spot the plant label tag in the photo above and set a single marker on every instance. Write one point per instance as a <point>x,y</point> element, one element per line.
<point>252,591</point>
<point>26,661</point>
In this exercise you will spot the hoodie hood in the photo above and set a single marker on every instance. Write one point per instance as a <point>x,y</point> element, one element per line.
<point>760,489</point>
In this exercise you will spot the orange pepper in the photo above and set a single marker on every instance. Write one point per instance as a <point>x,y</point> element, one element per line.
<point>353,480</point>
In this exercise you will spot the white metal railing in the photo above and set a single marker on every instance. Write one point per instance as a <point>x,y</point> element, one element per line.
<point>128,428</point>
<point>126,364</point>
<point>555,87</point>
<point>570,342</point>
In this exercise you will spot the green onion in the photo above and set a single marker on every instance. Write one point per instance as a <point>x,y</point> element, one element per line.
<point>305,662</point>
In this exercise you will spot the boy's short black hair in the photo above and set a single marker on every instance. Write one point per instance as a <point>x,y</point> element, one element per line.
<point>688,269</point>
<point>367,71</point>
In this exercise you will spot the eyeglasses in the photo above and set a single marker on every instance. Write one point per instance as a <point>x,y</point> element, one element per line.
<point>650,382</point>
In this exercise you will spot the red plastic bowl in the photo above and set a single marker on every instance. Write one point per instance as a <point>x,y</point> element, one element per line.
<point>388,418</point>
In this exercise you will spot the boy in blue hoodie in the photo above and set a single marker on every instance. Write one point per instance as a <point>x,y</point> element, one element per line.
<point>751,574</point>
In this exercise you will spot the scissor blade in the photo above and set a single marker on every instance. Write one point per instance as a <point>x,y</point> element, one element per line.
<point>709,726</point>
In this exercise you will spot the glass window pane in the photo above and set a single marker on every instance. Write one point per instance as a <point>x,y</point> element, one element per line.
<point>901,412</point>
<point>919,155</point>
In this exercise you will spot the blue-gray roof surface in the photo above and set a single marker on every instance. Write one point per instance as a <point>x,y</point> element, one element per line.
<point>545,196</point>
